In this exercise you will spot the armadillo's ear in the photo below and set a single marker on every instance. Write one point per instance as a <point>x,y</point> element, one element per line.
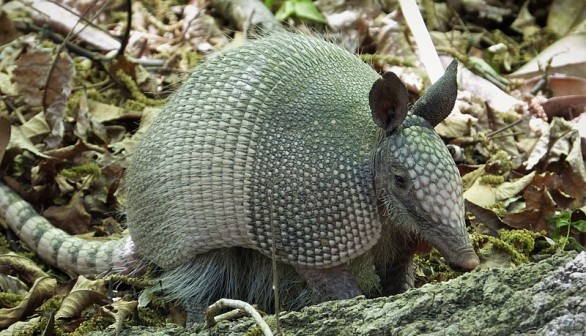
<point>438,101</point>
<point>388,99</point>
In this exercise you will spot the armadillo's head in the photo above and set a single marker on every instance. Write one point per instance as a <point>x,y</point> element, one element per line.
<point>414,175</point>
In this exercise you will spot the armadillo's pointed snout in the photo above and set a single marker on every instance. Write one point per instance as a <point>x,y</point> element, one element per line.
<point>457,250</point>
<point>466,261</point>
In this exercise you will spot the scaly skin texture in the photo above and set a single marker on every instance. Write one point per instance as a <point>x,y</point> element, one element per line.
<point>270,132</point>
<point>287,138</point>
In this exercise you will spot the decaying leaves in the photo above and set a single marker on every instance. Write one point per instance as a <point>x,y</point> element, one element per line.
<point>46,82</point>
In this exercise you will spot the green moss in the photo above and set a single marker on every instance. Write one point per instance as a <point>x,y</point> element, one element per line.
<point>151,317</point>
<point>499,208</point>
<point>4,246</point>
<point>479,241</point>
<point>96,323</point>
<point>10,300</point>
<point>509,118</point>
<point>82,170</point>
<point>135,91</point>
<point>522,241</point>
<point>492,180</point>
<point>51,304</point>
<point>138,282</point>
<point>505,162</point>
<point>432,269</point>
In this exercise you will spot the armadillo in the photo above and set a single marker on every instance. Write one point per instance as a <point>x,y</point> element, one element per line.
<point>287,147</point>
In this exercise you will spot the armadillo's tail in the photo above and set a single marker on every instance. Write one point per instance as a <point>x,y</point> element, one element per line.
<point>58,248</point>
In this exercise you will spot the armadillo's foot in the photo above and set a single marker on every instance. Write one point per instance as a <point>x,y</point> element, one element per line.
<point>335,283</point>
<point>396,275</point>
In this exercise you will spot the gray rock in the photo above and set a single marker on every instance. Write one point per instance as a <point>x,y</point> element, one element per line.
<point>542,298</point>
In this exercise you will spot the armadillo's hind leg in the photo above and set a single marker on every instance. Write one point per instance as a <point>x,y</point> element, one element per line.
<point>335,283</point>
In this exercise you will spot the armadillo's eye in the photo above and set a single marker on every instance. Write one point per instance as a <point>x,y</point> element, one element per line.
<point>400,181</point>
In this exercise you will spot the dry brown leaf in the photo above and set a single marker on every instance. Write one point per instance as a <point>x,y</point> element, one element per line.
<point>120,311</point>
<point>12,284</point>
<point>480,194</point>
<point>42,289</point>
<point>567,107</point>
<point>71,218</point>
<point>4,136</point>
<point>490,219</point>
<point>57,92</point>
<point>565,158</point>
<point>539,207</point>
<point>38,78</point>
<point>7,30</point>
<point>26,269</point>
<point>565,15</point>
<point>84,293</point>
<point>557,84</point>
<point>32,70</point>
<point>19,140</point>
<point>36,128</point>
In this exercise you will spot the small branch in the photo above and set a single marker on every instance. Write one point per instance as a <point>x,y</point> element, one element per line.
<point>213,311</point>
<point>427,51</point>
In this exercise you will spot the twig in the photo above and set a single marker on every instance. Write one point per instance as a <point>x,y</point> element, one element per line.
<point>213,312</point>
<point>126,35</point>
<point>427,51</point>
<point>274,265</point>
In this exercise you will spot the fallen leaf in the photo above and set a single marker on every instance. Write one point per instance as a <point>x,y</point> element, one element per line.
<point>565,15</point>
<point>120,311</point>
<point>511,189</point>
<point>539,208</point>
<point>25,268</point>
<point>567,107</point>
<point>71,218</point>
<point>557,84</point>
<point>4,136</point>
<point>567,56</point>
<point>490,219</point>
<point>84,293</point>
<point>42,290</point>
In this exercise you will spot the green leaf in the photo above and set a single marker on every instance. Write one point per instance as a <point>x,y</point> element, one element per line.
<point>301,9</point>
<point>305,9</point>
<point>286,10</point>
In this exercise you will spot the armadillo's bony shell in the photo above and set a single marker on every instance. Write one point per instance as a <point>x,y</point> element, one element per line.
<point>277,131</point>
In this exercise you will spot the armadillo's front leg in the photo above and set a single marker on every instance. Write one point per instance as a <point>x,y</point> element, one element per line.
<point>335,283</point>
<point>397,275</point>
